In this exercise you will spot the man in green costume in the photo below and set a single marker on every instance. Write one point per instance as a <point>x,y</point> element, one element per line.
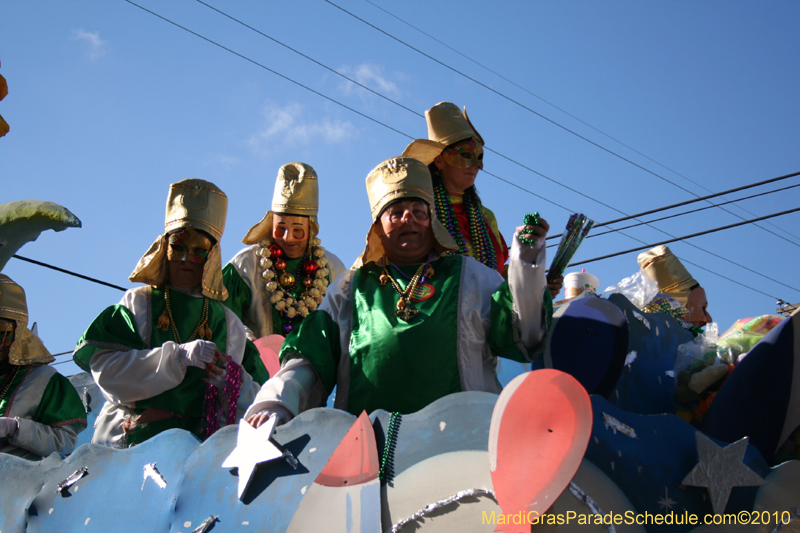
<point>284,273</point>
<point>410,325</point>
<point>157,356</point>
<point>40,410</point>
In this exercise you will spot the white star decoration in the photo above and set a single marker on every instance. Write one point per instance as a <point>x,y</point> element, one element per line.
<point>719,469</point>
<point>666,502</point>
<point>252,447</point>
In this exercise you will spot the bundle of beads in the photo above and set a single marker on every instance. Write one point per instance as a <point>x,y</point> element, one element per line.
<point>479,232</point>
<point>289,297</point>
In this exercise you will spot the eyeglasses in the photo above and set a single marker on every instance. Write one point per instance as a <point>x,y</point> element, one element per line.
<point>418,212</point>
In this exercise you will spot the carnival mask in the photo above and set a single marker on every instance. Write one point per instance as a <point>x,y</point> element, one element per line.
<point>464,155</point>
<point>7,330</point>
<point>188,245</point>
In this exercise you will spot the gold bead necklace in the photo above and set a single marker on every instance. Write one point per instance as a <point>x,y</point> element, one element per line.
<point>404,310</point>
<point>202,326</point>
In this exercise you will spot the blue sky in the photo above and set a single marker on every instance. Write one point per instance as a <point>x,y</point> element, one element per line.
<point>108,104</point>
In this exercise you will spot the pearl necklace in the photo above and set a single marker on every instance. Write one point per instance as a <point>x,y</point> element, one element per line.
<point>283,291</point>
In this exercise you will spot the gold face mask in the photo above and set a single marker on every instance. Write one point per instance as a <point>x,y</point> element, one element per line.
<point>7,330</point>
<point>465,154</point>
<point>188,244</point>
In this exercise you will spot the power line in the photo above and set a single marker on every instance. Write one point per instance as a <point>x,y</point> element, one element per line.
<point>552,237</point>
<point>540,115</point>
<point>59,269</point>
<point>710,196</point>
<point>330,99</point>
<point>287,78</point>
<point>495,91</point>
<point>400,132</point>
<point>704,208</point>
<point>416,113</point>
<point>512,82</point>
<point>727,278</point>
<point>685,237</point>
<point>326,67</point>
<point>576,191</point>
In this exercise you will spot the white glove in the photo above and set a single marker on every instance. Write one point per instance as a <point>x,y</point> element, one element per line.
<point>218,380</point>
<point>196,353</point>
<point>8,426</point>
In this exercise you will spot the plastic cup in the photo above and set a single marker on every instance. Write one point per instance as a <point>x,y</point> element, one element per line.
<point>576,283</point>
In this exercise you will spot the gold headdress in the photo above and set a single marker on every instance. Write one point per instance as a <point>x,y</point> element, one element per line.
<point>395,179</point>
<point>190,203</point>
<point>13,304</point>
<point>27,348</point>
<point>667,270</point>
<point>446,125</point>
<point>296,193</point>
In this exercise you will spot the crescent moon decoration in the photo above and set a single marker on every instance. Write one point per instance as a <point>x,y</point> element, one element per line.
<point>547,411</point>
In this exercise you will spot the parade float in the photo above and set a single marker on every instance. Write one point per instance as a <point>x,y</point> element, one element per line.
<point>588,441</point>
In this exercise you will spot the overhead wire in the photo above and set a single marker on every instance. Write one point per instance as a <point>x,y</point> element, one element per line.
<point>531,110</point>
<point>551,104</point>
<point>694,200</point>
<point>418,114</point>
<point>71,273</point>
<point>287,78</point>
<point>692,211</point>
<point>336,72</point>
<point>691,236</point>
<point>386,125</point>
<point>306,56</point>
<point>498,93</point>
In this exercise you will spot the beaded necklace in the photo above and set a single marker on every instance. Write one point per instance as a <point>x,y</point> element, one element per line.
<point>427,273</point>
<point>166,319</point>
<point>404,309</point>
<point>479,232</point>
<point>286,295</point>
<point>9,380</point>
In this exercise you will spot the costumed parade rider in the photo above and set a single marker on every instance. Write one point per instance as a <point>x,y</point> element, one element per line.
<point>170,355</point>
<point>284,273</point>
<point>678,293</point>
<point>698,379</point>
<point>453,152</point>
<point>410,324</point>
<point>40,410</point>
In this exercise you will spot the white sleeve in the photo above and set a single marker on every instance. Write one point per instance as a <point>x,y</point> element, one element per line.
<point>527,283</point>
<point>294,388</point>
<point>126,377</point>
<point>335,266</point>
<point>297,387</point>
<point>42,439</point>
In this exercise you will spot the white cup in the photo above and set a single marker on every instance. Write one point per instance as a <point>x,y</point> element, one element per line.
<point>576,283</point>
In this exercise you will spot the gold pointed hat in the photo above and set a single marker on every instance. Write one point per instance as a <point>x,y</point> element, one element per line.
<point>667,270</point>
<point>395,179</point>
<point>13,304</point>
<point>27,348</point>
<point>200,205</point>
<point>196,203</point>
<point>296,193</point>
<point>446,125</point>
